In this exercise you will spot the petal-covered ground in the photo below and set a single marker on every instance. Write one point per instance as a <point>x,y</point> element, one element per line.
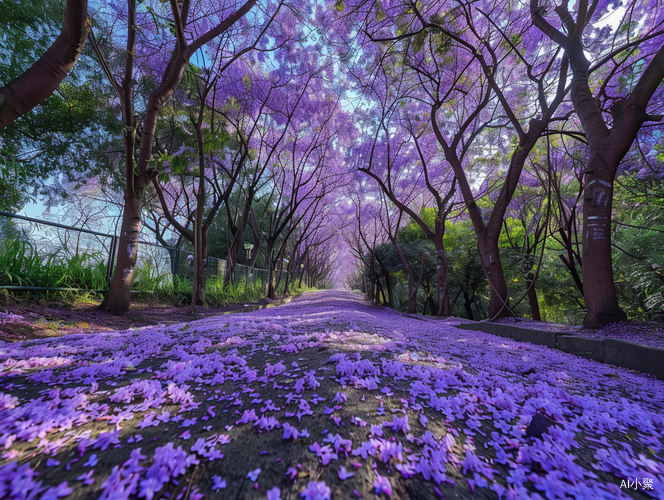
<point>326,397</point>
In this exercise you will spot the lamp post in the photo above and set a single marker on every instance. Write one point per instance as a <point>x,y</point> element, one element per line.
<point>248,247</point>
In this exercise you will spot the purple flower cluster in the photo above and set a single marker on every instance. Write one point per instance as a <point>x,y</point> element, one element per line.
<point>440,401</point>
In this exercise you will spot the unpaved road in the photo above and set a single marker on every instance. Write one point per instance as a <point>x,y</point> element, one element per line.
<point>324,397</point>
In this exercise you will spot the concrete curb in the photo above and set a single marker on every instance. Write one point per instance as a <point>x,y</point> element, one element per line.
<point>615,352</point>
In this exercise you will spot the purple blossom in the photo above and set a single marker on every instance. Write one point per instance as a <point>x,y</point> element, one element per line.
<point>398,424</point>
<point>218,483</point>
<point>106,439</point>
<point>291,432</point>
<point>316,491</point>
<point>382,485</point>
<point>253,475</point>
<point>339,443</point>
<point>87,478</point>
<point>268,423</point>
<point>274,494</point>
<point>376,430</point>
<point>247,416</point>
<point>340,397</point>
<point>168,462</point>
<point>361,423</point>
<point>324,453</point>
<point>344,474</point>
<point>92,461</point>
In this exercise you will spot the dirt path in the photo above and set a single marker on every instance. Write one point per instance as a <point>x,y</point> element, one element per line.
<point>326,397</point>
<point>29,321</point>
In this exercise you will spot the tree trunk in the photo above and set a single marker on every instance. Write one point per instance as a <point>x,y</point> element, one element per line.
<point>493,268</point>
<point>287,282</point>
<point>441,279</point>
<point>467,303</point>
<point>599,290</point>
<point>270,292</point>
<point>388,285</point>
<point>237,243</point>
<point>432,305</point>
<point>532,298</point>
<point>201,268</point>
<point>41,79</point>
<point>380,291</point>
<point>118,298</point>
<point>488,233</point>
<point>412,290</point>
<point>412,295</point>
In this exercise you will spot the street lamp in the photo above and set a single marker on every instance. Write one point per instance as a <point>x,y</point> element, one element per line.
<point>248,247</point>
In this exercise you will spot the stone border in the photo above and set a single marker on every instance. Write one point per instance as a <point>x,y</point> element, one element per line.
<point>615,352</point>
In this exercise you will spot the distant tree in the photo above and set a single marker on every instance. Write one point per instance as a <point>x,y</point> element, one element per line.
<point>187,27</point>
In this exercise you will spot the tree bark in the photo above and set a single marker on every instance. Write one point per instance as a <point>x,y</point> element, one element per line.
<point>493,268</point>
<point>270,292</point>
<point>118,297</point>
<point>467,304</point>
<point>488,233</point>
<point>441,277</point>
<point>41,79</point>
<point>237,231</point>
<point>532,298</point>
<point>119,293</point>
<point>412,291</point>
<point>200,247</point>
<point>599,290</point>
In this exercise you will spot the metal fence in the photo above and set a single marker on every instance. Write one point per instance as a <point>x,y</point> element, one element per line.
<point>156,263</point>
<point>251,274</point>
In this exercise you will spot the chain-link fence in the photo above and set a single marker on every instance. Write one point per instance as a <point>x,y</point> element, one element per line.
<point>38,254</point>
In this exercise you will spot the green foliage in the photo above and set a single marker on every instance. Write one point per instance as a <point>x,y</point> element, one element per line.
<point>148,278</point>
<point>71,133</point>
<point>12,177</point>
<point>413,231</point>
<point>638,244</point>
<point>468,288</point>
<point>21,265</point>
<point>27,29</point>
<point>559,299</point>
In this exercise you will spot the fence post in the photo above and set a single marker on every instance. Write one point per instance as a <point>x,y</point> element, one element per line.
<point>111,260</point>
<point>177,262</point>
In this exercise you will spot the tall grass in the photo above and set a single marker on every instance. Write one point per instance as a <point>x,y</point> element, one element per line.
<point>217,294</point>
<point>21,265</point>
<point>147,278</point>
